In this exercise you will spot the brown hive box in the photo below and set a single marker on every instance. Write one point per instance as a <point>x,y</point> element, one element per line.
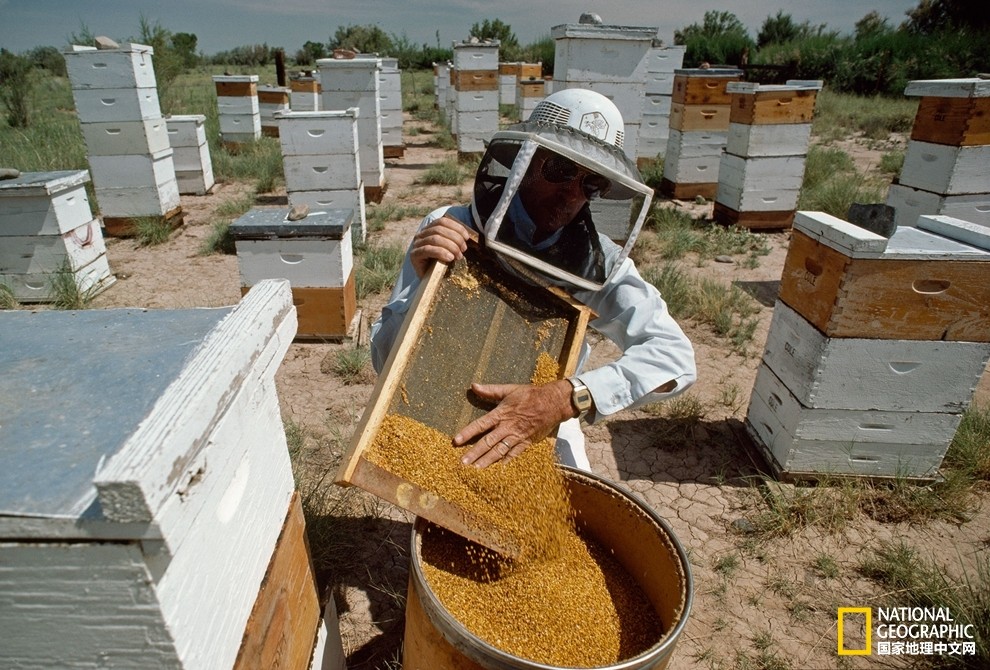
<point>456,332</point>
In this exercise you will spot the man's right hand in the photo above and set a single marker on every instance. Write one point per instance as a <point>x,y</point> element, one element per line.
<point>443,240</point>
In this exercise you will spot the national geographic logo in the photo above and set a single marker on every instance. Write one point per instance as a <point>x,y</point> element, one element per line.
<point>903,631</point>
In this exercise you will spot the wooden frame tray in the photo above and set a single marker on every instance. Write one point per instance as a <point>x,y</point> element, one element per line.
<point>470,322</point>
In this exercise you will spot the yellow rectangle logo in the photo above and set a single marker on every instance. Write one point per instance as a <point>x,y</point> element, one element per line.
<point>868,631</point>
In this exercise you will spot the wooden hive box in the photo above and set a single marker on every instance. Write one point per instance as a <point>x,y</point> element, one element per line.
<point>146,484</point>
<point>910,203</point>
<point>315,254</point>
<point>706,118</point>
<point>46,228</point>
<point>955,112</point>
<point>762,104</point>
<point>440,351</point>
<point>945,169</point>
<point>236,86</point>
<point>696,86</point>
<point>476,80</point>
<point>475,56</point>
<point>924,283</point>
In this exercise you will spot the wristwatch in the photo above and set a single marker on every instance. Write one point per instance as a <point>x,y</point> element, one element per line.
<point>580,396</point>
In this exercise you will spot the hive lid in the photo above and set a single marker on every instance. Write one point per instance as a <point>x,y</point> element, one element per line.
<point>708,72</point>
<point>604,32</point>
<point>73,387</point>
<point>973,87</point>
<point>273,223</point>
<point>43,183</point>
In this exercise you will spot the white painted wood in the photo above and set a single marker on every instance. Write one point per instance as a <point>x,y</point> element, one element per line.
<point>845,442</point>
<point>330,132</point>
<point>757,200</point>
<point>248,125</point>
<point>628,97</point>
<point>587,53</point>
<point>659,83</point>
<point>664,59</point>
<point>116,105</point>
<point>132,170</point>
<point>696,144</point>
<point>973,87</point>
<point>690,170</point>
<point>27,254</point>
<point>186,130</point>
<point>657,106</point>
<point>469,56</point>
<point>482,123</point>
<point>359,74</point>
<point>151,200</point>
<point>840,235</point>
<point>320,173</point>
<point>507,89</point>
<point>655,126</point>
<point>33,287</point>
<point>194,182</point>
<point>752,88</point>
<point>235,79</point>
<point>765,173</point>
<point>44,203</point>
<point>352,199</point>
<point>187,159</point>
<point>82,605</point>
<point>135,482</point>
<point>328,653</point>
<point>962,231</point>
<point>236,105</point>
<point>129,137</point>
<point>366,102</point>
<point>777,139</point>
<point>946,169</point>
<point>862,374</point>
<point>910,203</point>
<point>305,262</point>
<point>130,66</point>
<point>477,101</point>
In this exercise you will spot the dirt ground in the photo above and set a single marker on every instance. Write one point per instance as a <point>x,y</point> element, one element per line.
<point>705,490</point>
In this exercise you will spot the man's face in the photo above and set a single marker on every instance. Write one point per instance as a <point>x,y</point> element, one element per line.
<point>555,189</point>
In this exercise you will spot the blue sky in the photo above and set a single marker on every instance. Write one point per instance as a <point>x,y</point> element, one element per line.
<point>224,24</point>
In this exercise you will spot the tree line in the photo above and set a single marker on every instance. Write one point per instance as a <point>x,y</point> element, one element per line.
<point>938,39</point>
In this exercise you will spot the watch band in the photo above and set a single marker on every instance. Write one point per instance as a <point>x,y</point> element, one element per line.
<point>580,396</point>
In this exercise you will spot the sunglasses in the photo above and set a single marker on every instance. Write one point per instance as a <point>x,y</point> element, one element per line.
<point>559,170</point>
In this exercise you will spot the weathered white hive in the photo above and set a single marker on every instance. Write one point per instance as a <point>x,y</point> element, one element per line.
<point>322,162</point>
<point>314,253</point>
<point>238,109</point>
<point>475,94</point>
<point>130,158</point>
<point>659,63</point>
<point>191,153</point>
<point>272,99</point>
<point>945,166</point>
<point>305,92</point>
<point>354,83</point>
<point>47,230</point>
<point>390,103</point>
<point>875,348</point>
<point>611,60</point>
<point>699,125</point>
<point>529,92</point>
<point>762,169</point>
<point>153,525</point>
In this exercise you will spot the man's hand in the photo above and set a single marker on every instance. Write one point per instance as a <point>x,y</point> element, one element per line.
<point>443,240</point>
<point>525,414</point>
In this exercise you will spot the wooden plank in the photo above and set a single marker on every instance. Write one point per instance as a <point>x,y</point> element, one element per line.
<point>475,80</point>
<point>702,90</point>
<point>237,88</point>
<point>437,355</point>
<point>953,121</point>
<point>282,628</point>
<point>699,117</point>
<point>773,107</point>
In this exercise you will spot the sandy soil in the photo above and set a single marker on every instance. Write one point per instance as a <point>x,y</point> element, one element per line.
<point>699,477</point>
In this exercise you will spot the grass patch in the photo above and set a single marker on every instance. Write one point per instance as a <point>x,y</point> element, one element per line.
<point>446,173</point>
<point>150,231</point>
<point>220,240</point>
<point>351,365</point>
<point>891,163</point>
<point>64,291</point>
<point>378,215</point>
<point>672,234</point>
<point>840,115</point>
<point>7,299</point>
<point>378,269</point>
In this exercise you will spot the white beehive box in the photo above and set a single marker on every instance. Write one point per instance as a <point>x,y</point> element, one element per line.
<point>138,522</point>
<point>821,442</point>
<point>861,374</point>
<point>776,172</point>
<point>46,228</point>
<point>117,105</point>
<point>129,66</point>
<point>191,153</point>
<point>137,201</point>
<point>910,203</point>
<point>348,83</point>
<point>231,105</point>
<point>476,55</point>
<point>477,101</point>
<point>776,139</point>
<point>132,170</point>
<point>305,94</point>
<point>690,169</point>
<point>596,53</point>
<point>327,132</point>
<point>945,169</point>
<point>766,199</point>
<point>109,138</point>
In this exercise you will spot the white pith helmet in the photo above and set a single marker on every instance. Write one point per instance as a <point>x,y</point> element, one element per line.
<point>588,111</point>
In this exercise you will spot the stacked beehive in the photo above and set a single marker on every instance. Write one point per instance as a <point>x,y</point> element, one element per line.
<point>193,165</point>
<point>47,229</point>
<point>875,347</point>
<point>304,95</point>
<point>475,85</point>
<point>354,83</point>
<point>529,92</point>
<point>659,65</point>
<point>945,167</point>
<point>699,127</point>
<point>390,97</point>
<point>272,99</point>
<point>762,169</point>
<point>314,253</point>
<point>610,60</point>
<point>154,524</point>
<point>130,159</point>
<point>322,163</point>
<point>508,75</point>
<point>238,109</point>
<point>441,82</point>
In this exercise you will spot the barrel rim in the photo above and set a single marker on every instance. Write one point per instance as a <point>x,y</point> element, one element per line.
<point>454,632</point>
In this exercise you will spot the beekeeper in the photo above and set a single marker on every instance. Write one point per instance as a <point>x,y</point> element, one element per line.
<point>550,197</point>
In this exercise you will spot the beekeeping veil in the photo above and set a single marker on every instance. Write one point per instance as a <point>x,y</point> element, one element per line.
<point>572,137</point>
